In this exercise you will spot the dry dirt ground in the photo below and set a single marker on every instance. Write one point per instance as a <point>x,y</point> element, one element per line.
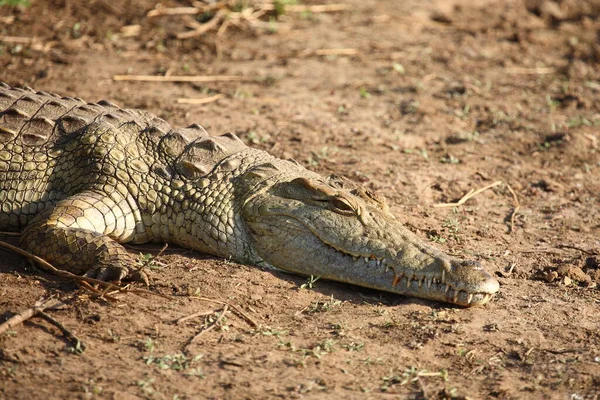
<point>434,99</point>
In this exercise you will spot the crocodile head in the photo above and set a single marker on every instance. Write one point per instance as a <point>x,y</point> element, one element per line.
<point>315,227</point>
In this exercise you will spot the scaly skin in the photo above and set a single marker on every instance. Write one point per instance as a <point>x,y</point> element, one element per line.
<point>80,179</point>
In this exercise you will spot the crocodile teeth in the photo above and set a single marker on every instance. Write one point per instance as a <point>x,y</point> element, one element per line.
<point>429,282</point>
<point>366,259</point>
<point>443,276</point>
<point>470,298</point>
<point>421,282</point>
<point>447,288</point>
<point>455,297</point>
<point>397,279</point>
<point>408,279</point>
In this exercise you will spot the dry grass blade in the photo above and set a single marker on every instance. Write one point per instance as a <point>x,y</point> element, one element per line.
<point>203,28</point>
<point>192,316</point>
<point>336,52</point>
<point>205,100</point>
<point>470,194</point>
<point>173,11</point>
<point>235,309</point>
<point>246,16</point>
<point>515,209</point>
<point>314,9</point>
<point>197,78</point>
<point>211,326</point>
<point>530,71</point>
<point>10,234</point>
<point>75,341</point>
<point>24,315</point>
<point>16,39</point>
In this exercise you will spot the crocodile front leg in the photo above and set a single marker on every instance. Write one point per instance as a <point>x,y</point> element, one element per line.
<point>81,234</point>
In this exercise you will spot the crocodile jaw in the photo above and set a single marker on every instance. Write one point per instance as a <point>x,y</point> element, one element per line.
<point>417,270</point>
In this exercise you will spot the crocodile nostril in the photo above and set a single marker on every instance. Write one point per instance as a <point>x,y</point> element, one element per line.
<point>471,264</point>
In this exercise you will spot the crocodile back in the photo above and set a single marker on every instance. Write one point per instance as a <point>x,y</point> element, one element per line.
<point>48,152</point>
<point>53,147</point>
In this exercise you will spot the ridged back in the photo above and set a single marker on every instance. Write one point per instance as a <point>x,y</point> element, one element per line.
<point>35,118</point>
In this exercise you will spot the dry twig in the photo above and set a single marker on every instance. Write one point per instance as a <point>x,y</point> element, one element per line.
<point>83,281</point>
<point>201,101</point>
<point>197,78</point>
<point>200,29</point>
<point>469,195</point>
<point>24,315</point>
<point>235,309</point>
<point>515,210</point>
<point>50,268</point>
<point>530,71</point>
<point>191,316</point>
<point>228,13</point>
<point>211,326</point>
<point>75,341</point>
<point>10,234</point>
<point>172,11</point>
<point>16,39</point>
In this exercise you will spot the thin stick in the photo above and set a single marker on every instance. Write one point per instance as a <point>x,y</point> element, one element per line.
<point>336,52</point>
<point>515,210</point>
<point>16,39</point>
<point>10,234</point>
<point>530,71</point>
<point>203,28</point>
<point>173,11</point>
<point>201,101</point>
<point>24,315</point>
<point>469,195</point>
<point>235,309</point>
<point>50,268</point>
<point>173,78</point>
<point>95,292</point>
<point>144,291</point>
<point>84,281</point>
<point>568,246</point>
<point>315,9</point>
<point>75,341</point>
<point>153,258</point>
<point>210,7</point>
<point>211,326</point>
<point>191,316</point>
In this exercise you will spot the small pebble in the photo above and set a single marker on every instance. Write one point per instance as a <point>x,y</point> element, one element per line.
<point>551,276</point>
<point>567,281</point>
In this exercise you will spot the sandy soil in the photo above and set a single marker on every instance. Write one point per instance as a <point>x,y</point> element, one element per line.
<point>436,99</point>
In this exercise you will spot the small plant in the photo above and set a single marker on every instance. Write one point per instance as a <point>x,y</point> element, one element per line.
<point>449,159</point>
<point>15,3</point>
<point>310,282</point>
<point>399,68</point>
<point>275,332</point>
<point>175,362</point>
<point>324,306</point>
<point>364,93</point>
<point>352,346</point>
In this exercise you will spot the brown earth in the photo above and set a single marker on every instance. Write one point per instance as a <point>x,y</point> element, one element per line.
<point>440,97</point>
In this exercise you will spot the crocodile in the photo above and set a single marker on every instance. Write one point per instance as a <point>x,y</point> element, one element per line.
<point>79,180</point>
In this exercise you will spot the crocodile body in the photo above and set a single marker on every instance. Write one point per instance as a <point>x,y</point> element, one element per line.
<point>80,179</point>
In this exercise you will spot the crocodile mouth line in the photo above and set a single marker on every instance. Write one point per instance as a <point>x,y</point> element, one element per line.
<point>434,287</point>
<point>420,283</point>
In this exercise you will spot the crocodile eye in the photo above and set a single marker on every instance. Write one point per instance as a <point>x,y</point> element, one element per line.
<point>341,204</point>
